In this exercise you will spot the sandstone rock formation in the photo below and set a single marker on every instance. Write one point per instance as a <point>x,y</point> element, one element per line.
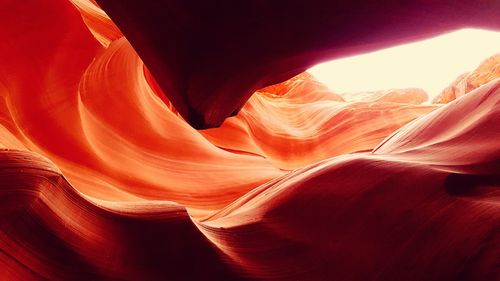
<point>101,178</point>
<point>487,71</point>
<point>210,58</point>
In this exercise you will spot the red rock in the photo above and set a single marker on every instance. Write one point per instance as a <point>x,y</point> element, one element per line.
<point>210,58</point>
<point>487,71</point>
<point>409,95</point>
<point>102,179</point>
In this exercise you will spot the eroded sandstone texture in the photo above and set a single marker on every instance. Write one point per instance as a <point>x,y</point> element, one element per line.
<point>103,177</point>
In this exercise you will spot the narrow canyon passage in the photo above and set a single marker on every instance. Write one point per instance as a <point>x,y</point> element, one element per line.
<point>122,161</point>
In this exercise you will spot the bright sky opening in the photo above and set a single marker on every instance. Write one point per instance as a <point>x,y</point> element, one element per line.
<point>431,64</point>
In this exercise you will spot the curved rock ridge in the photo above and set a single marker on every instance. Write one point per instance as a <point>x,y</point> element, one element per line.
<point>424,205</point>
<point>52,231</point>
<point>393,207</point>
<point>98,22</point>
<point>303,122</point>
<point>408,95</point>
<point>101,178</point>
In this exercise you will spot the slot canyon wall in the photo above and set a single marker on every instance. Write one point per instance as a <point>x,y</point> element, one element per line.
<point>226,161</point>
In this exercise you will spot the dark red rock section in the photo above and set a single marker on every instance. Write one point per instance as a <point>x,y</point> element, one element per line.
<point>77,239</point>
<point>210,56</point>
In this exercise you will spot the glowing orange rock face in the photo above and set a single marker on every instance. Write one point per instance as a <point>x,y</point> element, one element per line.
<point>410,95</point>
<point>101,179</point>
<point>487,71</point>
<point>274,125</point>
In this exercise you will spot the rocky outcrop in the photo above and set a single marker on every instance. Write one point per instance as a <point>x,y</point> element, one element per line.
<point>487,71</point>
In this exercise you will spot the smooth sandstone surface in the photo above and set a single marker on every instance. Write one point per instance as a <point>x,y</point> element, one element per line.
<point>101,177</point>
